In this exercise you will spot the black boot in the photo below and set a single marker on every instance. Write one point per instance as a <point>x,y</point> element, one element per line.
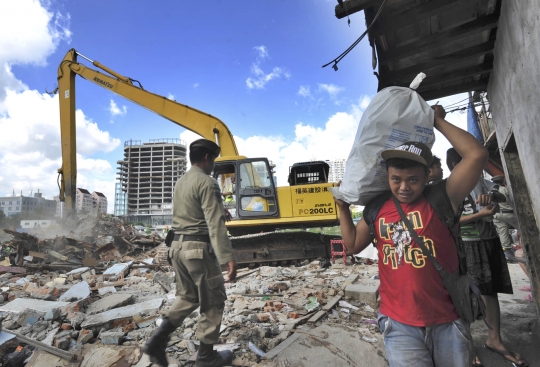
<point>208,357</point>
<point>156,345</point>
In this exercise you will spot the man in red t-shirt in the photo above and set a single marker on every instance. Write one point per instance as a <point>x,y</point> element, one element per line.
<point>417,317</point>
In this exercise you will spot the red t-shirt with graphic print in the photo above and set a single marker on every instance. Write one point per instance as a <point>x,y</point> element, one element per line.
<point>412,291</point>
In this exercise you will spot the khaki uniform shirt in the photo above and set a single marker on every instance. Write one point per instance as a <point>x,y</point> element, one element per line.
<point>198,210</point>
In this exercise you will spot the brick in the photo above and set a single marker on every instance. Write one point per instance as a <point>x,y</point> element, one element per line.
<point>364,293</point>
<point>269,309</point>
<point>263,317</point>
<point>270,303</point>
<point>85,336</point>
<point>278,305</point>
<point>294,315</point>
<point>66,326</point>
<point>75,307</point>
<point>129,327</point>
<point>121,323</point>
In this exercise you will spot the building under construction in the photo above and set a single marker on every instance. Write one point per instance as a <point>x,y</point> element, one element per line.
<point>147,176</point>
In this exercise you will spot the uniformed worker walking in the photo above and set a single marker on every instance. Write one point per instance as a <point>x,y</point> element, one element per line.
<point>200,245</point>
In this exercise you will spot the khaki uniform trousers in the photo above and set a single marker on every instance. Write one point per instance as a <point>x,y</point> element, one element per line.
<point>199,282</point>
<point>503,222</point>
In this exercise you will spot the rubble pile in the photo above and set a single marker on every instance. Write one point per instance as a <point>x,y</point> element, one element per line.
<point>112,307</point>
<point>94,239</point>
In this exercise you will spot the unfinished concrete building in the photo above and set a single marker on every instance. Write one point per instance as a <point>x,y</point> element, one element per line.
<point>147,175</point>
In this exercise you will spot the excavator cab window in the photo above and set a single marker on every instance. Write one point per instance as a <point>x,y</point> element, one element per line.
<point>256,190</point>
<point>308,173</point>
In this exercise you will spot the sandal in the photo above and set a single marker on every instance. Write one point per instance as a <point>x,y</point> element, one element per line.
<point>506,354</point>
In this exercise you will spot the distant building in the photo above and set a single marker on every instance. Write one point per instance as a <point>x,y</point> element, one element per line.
<point>337,169</point>
<point>84,201</point>
<point>28,224</point>
<point>60,207</point>
<point>21,204</point>
<point>100,202</point>
<point>147,176</point>
<point>120,203</point>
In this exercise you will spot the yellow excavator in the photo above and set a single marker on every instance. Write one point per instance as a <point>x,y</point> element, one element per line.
<point>261,212</point>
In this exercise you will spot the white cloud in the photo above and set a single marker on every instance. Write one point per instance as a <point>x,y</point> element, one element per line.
<point>332,90</point>
<point>260,78</point>
<point>115,110</point>
<point>262,52</point>
<point>170,96</point>
<point>30,149</point>
<point>332,141</point>
<point>304,91</point>
<point>29,33</point>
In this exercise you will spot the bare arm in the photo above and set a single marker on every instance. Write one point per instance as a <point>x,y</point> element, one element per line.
<point>485,212</point>
<point>355,238</point>
<point>465,175</point>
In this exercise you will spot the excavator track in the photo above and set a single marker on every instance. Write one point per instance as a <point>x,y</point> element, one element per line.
<point>280,247</point>
<point>273,248</point>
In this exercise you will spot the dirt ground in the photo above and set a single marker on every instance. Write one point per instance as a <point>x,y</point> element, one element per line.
<point>519,325</point>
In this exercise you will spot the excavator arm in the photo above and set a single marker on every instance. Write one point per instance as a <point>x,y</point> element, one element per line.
<point>190,118</point>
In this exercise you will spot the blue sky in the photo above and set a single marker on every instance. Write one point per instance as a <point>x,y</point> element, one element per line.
<point>256,65</point>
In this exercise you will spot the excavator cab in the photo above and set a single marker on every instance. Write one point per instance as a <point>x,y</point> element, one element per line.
<point>248,188</point>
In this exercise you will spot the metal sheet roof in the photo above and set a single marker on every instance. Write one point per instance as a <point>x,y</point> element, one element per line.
<point>452,41</point>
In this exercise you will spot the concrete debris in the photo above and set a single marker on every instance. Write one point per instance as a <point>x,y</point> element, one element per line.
<point>109,302</point>
<point>76,293</point>
<point>109,296</point>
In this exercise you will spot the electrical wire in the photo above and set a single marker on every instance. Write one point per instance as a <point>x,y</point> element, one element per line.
<point>344,53</point>
<point>466,99</point>
<point>475,104</point>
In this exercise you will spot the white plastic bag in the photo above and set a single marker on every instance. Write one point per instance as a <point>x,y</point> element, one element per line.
<point>394,116</point>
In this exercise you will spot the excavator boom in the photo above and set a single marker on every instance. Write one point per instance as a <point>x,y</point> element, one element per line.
<point>190,118</point>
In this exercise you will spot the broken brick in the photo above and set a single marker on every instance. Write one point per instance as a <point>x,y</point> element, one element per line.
<point>263,317</point>
<point>129,327</point>
<point>294,315</point>
<point>121,323</point>
<point>66,326</point>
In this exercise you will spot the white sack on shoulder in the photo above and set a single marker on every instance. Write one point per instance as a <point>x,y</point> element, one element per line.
<point>394,116</point>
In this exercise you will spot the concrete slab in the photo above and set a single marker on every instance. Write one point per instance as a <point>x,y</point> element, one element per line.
<point>366,293</point>
<point>108,355</point>
<point>76,293</point>
<point>327,345</point>
<point>42,358</point>
<point>123,312</point>
<point>108,303</point>
<point>117,271</point>
<point>78,270</point>
<point>20,304</point>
